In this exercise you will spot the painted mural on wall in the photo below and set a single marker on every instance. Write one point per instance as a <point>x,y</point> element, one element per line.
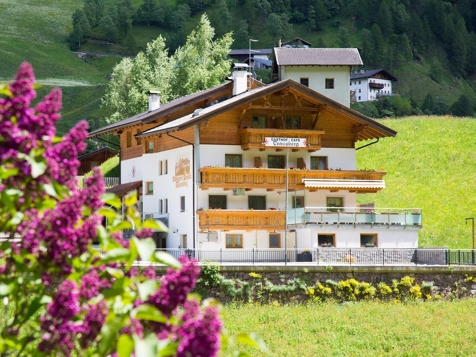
<point>182,172</point>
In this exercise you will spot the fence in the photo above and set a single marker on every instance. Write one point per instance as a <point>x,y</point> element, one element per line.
<point>333,256</point>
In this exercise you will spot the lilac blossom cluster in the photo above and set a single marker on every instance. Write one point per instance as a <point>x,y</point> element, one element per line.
<point>53,238</point>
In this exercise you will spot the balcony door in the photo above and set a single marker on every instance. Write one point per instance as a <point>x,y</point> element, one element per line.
<point>257,202</point>
<point>335,203</point>
<point>217,201</point>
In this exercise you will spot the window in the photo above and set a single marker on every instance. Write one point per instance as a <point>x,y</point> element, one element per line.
<point>319,162</point>
<point>149,188</point>
<point>234,241</point>
<point>334,203</point>
<point>304,81</point>
<point>149,147</point>
<point>360,90</point>
<point>163,206</point>
<point>183,239</point>
<point>138,140</point>
<point>292,123</point>
<point>276,161</point>
<point>232,160</point>
<point>359,82</point>
<point>359,97</point>
<point>163,169</point>
<point>182,204</point>
<point>298,201</point>
<point>329,83</point>
<point>217,201</point>
<point>129,139</point>
<point>275,240</point>
<point>257,202</point>
<point>259,122</point>
<point>326,240</point>
<point>166,167</point>
<point>368,240</point>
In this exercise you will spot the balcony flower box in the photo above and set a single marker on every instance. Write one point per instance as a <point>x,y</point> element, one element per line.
<point>326,245</point>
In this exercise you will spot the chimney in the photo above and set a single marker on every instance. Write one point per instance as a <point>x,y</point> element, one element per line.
<point>240,78</point>
<point>154,100</point>
<point>279,42</point>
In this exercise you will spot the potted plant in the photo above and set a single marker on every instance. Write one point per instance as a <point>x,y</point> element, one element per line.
<point>370,245</point>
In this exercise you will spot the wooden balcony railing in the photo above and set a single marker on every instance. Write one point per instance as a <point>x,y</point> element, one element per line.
<point>254,138</point>
<point>270,179</point>
<point>241,219</point>
<point>376,85</point>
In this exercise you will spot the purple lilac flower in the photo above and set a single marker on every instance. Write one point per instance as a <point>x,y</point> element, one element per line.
<point>175,286</point>
<point>149,273</point>
<point>93,322</point>
<point>199,334</point>
<point>57,326</point>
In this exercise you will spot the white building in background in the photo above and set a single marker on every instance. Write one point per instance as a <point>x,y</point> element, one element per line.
<point>371,85</point>
<point>205,166</point>
<point>324,70</point>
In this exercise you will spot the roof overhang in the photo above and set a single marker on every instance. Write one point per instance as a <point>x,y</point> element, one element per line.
<point>122,189</point>
<point>344,184</point>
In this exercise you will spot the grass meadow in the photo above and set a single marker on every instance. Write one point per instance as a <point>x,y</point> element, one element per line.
<point>430,164</point>
<point>436,329</point>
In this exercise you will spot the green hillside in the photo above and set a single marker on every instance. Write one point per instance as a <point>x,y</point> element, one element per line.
<point>430,164</point>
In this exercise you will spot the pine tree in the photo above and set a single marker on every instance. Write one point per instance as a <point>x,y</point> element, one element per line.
<point>311,19</point>
<point>81,27</point>
<point>108,28</point>
<point>147,12</point>
<point>462,107</point>
<point>343,37</point>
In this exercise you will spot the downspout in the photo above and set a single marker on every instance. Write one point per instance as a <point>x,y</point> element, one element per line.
<point>375,142</point>
<point>194,180</point>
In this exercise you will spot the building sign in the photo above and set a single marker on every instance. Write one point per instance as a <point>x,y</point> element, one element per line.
<point>285,142</point>
<point>182,173</point>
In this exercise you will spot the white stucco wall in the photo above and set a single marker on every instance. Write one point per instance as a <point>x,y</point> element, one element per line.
<point>317,80</point>
<point>170,186</point>
<point>131,170</point>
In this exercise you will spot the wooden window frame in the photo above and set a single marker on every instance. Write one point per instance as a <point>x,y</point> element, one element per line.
<point>149,147</point>
<point>321,242</point>
<point>233,156</point>
<point>275,156</point>
<point>183,240</point>
<point>258,117</point>
<point>254,196</point>
<point>216,196</point>
<point>316,159</point>
<point>129,139</point>
<point>138,140</point>
<point>295,198</point>
<point>329,83</point>
<point>233,243</point>
<point>373,240</point>
<point>279,240</point>
<point>334,208</point>
<point>149,188</point>
<point>166,167</point>
<point>288,119</point>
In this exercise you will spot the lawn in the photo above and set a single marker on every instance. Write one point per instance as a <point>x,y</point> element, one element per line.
<point>438,328</point>
<point>430,164</point>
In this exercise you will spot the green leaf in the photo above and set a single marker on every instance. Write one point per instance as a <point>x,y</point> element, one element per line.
<point>167,259</point>
<point>50,190</point>
<point>108,336</point>
<point>134,253</point>
<point>117,273</point>
<point>121,226</point>
<point>116,254</point>
<point>6,173</point>
<point>17,218</point>
<point>145,247</point>
<point>107,212</point>
<point>147,347</point>
<point>147,288</point>
<point>167,348</point>
<point>125,346</point>
<point>131,198</point>
<point>148,312</point>
<point>253,340</point>
<point>153,224</point>
<point>6,289</point>
<point>112,200</point>
<point>36,303</point>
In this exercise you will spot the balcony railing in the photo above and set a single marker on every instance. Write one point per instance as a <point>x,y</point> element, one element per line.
<point>254,138</point>
<point>241,219</point>
<point>376,85</point>
<point>276,178</point>
<point>354,216</point>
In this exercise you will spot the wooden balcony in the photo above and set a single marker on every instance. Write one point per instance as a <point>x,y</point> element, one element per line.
<point>254,138</point>
<point>241,219</point>
<point>270,179</point>
<point>376,85</point>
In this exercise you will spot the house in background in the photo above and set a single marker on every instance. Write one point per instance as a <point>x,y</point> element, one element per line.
<point>324,70</point>
<point>371,85</point>
<point>295,43</point>
<point>243,165</point>
<point>251,57</point>
<point>93,159</point>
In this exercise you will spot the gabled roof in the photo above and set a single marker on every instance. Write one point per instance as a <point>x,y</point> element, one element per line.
<point>374,129</point>
<point>370,73</point>
<point>317,57</point>
<point>104,149</point>
<point>148,116</point>
<point>294,40</point>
